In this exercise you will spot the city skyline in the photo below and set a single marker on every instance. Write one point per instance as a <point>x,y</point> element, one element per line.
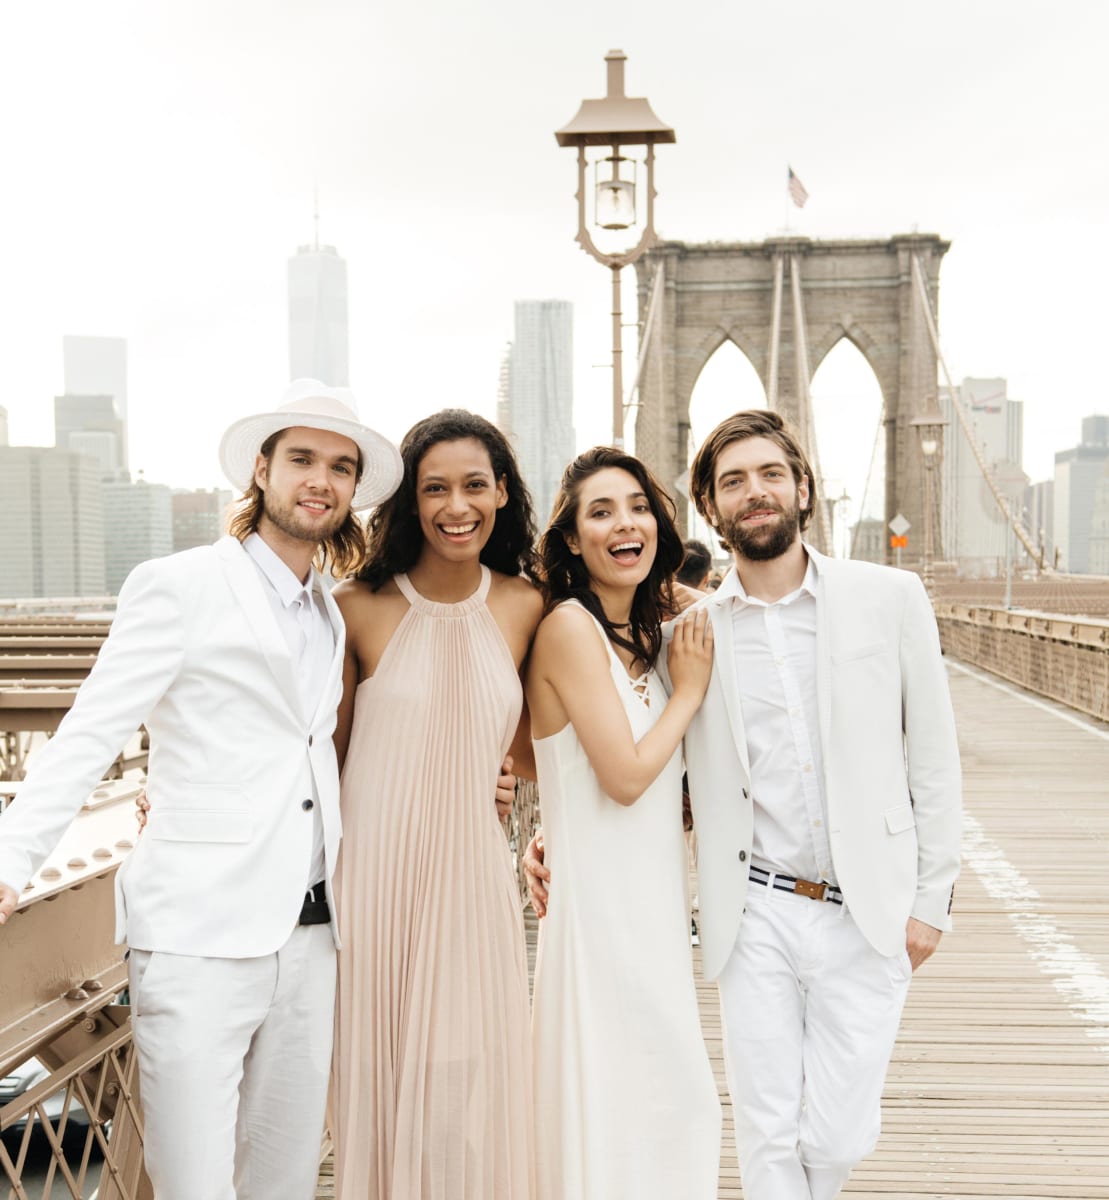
<point>980,125</point>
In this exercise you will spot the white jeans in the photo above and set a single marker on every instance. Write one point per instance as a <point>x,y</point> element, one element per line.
<point>234,1057</point>
<point>810,1013</point>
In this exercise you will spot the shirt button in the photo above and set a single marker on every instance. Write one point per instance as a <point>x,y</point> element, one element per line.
<point>794,711</point>
<point>743,856</point>
<point>807,768</point>
<point>817,823</point>
<point>778,662</point>
<point>307,805</point>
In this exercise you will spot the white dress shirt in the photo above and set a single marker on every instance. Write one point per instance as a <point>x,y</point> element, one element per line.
<point>775,653</point>
<point>299,611</point>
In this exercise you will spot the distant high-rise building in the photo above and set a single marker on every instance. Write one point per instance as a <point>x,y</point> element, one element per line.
<point>95,368</point>
<point>138,524</point>
<point>91,425</point>
<point>539,415</point>
<point>51,523</point>
<point>1098,563</point>
<point>318,324</point>
<point>3,426</point>
<point>974,529</point>
<point>198,517</point>
<point>1078,472</point>
<point>1039,504</point>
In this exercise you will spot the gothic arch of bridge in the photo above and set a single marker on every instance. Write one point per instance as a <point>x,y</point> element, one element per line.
<point>862,290</point>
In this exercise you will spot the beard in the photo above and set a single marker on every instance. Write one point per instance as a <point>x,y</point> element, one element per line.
<point>761,543</point>
<point>285,516</point>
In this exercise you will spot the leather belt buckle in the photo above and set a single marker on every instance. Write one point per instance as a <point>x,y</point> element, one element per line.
<point>814,891</point>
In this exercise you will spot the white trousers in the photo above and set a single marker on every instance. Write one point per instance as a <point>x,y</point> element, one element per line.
<point>234,1057</point>
<point>810,1013</point>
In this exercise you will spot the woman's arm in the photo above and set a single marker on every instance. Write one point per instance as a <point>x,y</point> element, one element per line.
<point>569,679</point>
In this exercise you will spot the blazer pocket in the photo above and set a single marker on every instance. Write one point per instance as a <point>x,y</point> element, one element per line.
<point>900,818</point>
<point>201,825</point>
<point>856,652</point>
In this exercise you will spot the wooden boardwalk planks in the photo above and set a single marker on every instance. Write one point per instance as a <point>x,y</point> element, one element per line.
<point>1000,1081</point>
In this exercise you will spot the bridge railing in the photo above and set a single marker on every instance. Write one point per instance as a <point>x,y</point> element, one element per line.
<point>1064,658</point>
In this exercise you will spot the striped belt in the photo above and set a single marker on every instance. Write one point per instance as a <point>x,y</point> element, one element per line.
<point>801,887</point>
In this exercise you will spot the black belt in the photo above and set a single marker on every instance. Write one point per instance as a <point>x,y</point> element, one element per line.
<point>801,887</point>
<point>314,910</point>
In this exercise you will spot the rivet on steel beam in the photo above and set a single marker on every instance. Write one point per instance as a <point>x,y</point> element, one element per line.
<point>125,844</point>
<point>51,873</point>
<point>77,864</point>
<point>88,1025</point>
<point>76,994</point>
<point>102,852</point>
<point>92,985</point>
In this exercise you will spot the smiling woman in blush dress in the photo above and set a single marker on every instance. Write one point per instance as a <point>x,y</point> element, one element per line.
<point>431,1074</point>
<point>626,1105</point>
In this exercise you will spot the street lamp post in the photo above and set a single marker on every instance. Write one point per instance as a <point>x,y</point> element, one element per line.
<point>615,122</point>
<point>929,429</point>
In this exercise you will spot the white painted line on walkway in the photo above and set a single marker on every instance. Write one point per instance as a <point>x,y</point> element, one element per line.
<point>1076,976</point>
<point>993,681</point>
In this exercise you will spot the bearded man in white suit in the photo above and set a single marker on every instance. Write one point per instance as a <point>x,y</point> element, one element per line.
<point>231,655</point>
<point>825,786</point>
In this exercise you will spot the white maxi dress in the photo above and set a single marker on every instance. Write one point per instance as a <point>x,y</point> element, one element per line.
<point>626,1106</point>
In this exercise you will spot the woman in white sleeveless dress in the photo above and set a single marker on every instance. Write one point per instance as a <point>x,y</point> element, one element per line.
<point>626,1105</point>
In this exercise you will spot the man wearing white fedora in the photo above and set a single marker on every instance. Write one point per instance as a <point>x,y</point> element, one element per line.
<point>231,655</point>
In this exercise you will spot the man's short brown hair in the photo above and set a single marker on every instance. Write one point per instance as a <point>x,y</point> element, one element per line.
<point>753,422</point>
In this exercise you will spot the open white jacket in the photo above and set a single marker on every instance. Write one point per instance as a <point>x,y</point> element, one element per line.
<point>196,655</point>
<point>891,761</point>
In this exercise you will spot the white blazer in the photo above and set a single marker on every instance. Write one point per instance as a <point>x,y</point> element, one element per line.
<point>891,761</point>
<point>196,655</point>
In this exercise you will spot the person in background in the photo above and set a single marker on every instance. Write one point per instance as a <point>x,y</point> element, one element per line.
<point>696,565</point>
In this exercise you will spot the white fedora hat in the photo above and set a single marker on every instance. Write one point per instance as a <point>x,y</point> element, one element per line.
<point>307,403</point>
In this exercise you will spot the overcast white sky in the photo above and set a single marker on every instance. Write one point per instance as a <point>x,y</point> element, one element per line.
<point>160,160</point>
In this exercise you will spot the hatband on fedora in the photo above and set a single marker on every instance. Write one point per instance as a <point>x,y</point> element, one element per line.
<point>307,403</point>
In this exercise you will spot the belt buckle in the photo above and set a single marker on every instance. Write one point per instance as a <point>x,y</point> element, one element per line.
<point>814,891</point>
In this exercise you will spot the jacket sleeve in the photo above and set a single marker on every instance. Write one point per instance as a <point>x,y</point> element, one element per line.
<point>932,758</point>
<point>136,665</point>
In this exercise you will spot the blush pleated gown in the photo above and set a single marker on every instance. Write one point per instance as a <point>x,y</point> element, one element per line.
<point>431,1078</point>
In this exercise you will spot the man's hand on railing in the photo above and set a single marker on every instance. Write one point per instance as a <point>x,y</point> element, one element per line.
<point>9,898</point>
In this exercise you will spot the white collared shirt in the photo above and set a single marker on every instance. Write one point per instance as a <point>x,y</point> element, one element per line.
<point>302,619</point>
<point>775,658</point>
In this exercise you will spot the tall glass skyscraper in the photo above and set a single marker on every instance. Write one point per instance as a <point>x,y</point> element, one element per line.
<point>536,407</point>
<point>318,323</point>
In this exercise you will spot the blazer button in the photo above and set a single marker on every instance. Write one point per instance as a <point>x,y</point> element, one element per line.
<point>309,739</point>
<point>743,856</point>
<point>306,805</point>
<point>745,794</point>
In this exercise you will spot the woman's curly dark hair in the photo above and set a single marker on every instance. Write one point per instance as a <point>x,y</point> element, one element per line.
<point>563,576</point>
<point>394,538</point>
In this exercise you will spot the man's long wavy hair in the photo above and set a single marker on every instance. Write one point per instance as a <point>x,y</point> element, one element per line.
<point>395,540</point>
<point>563,575</point>
<point>341,553</point>
<point>753,422</point>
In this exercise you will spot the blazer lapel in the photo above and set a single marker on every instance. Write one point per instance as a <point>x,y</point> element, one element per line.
<point>249,591</point>
<point>724,662</point>
<point>329,696</point>
<point>825,597</point>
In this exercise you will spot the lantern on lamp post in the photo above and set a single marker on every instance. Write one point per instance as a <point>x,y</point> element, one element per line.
<point>615,122</point>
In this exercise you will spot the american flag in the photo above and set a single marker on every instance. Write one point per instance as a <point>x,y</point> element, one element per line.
<point>797,191</point>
